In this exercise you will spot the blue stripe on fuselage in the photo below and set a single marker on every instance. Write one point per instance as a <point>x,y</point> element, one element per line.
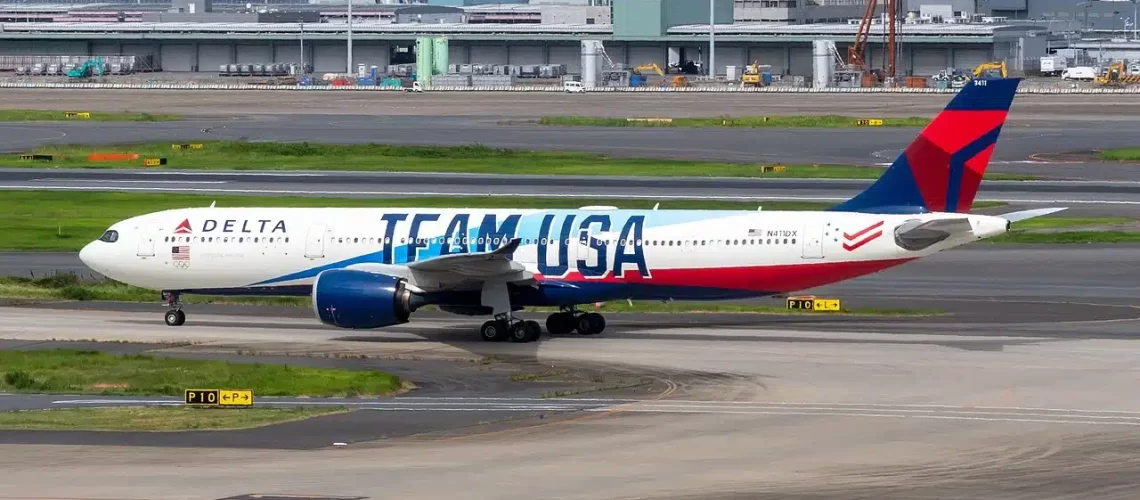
<point>528,226</point>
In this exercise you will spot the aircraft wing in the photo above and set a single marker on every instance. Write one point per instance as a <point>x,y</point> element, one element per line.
<point>497,263</point>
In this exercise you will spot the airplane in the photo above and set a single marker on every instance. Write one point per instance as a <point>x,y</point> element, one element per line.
<point>368,268</point>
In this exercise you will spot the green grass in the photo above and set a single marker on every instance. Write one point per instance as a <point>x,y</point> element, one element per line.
<point>459,159</point>
<point>1121,154</point>
<point>91,372</point>
<point>66,221</point>
<point>32,115</point>
<point>1069,230</point>
<point>797,121</point>
<point>71,287</point>
<point>155,419</point>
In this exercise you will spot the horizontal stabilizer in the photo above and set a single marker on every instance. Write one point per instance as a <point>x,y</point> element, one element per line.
<point>1029,214</point>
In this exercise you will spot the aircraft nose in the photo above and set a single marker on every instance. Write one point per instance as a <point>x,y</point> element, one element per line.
<point>87,255</point>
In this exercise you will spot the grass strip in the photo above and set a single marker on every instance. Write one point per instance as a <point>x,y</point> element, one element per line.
<point>33,115</point>
<point>240,155</point>
<point>156,418</point>
<point>92,372</point>
<point>1121,154</point>
<point>71,287</point>
<point>1070,230</point>
<point>66,221</point>
<point>796,121</point>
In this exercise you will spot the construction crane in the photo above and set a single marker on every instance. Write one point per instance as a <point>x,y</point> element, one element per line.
<point>857,50</point>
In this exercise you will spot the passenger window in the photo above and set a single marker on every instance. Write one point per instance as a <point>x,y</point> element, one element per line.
<point>286,240</point>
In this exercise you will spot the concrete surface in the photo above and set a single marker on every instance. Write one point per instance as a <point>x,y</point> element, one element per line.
<point>782,412</point>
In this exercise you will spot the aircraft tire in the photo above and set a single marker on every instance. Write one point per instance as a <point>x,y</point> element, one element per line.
<point>560,323</point>
<point>175,318</point>
<point>533,331</point>
<point>590,324</point>
<point>597,323</point>
<point>493,331</point>
<point>525,331</point>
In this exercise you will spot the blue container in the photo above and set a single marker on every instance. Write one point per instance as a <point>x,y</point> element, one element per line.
<point>635,80</point>
<point>766,77</point>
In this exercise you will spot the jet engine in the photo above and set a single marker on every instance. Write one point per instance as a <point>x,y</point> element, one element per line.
<point>360,299</point>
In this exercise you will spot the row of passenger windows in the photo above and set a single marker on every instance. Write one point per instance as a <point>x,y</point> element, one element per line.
<point>544,241</point>
<point>494,241</point>
<point>226,239</point>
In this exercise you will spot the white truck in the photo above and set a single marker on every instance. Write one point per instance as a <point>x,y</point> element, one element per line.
<point>1079,73</point>
<point>1053,65</point>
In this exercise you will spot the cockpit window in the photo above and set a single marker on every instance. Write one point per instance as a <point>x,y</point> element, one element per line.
<point>110,236</point>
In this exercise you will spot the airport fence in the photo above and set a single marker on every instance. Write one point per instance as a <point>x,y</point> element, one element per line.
<point>531,88</point>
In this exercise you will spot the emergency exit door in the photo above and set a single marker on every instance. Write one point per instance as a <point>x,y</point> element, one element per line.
<point>813,241</point>
<point>147,235</point>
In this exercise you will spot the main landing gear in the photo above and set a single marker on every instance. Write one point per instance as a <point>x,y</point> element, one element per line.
<point>570,319</point>
<point>175,316</point>
<point>505,327</point>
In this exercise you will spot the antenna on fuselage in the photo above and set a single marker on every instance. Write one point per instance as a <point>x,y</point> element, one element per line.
<point>212,203</point>
<point>656,205</point>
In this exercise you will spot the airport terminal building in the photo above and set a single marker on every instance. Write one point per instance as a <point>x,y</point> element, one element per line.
<point>671,33</point>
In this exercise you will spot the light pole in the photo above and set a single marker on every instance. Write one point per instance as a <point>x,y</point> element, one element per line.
<point>302,46</point>
<point>348,62</point>
<point>712,39</point>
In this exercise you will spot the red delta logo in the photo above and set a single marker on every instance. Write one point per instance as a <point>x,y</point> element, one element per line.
<point>183,228</point>
<point>854,241</point>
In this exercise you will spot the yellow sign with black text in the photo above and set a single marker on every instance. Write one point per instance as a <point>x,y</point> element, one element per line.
<point>218,397</point>
<point>813,304</point>
<point>874,122</point>
<point>236,398</point>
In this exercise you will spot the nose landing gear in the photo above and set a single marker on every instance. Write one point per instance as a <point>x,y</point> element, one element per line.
<point>175,316</point>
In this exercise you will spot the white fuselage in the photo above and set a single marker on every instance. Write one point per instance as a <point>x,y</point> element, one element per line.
<point>626,253</point>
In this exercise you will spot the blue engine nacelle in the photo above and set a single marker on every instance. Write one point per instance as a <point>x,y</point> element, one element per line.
<point>360,299</point>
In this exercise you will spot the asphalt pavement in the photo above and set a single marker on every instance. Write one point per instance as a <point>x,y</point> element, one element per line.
<point>1120,195</point>
<point>761,145</point>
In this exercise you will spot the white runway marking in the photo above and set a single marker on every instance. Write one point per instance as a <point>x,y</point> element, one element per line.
<point>102,181</point>
<point>594,405</point>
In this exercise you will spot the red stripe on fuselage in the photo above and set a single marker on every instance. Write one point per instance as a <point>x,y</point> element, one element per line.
<point>783,278</point>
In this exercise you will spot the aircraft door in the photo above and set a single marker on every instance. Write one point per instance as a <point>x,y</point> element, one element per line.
<point>813,240</point>
<point>147,235</point>
<point>315,242</point>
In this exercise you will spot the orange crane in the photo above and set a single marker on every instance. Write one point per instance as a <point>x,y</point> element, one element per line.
<point>856,51</point>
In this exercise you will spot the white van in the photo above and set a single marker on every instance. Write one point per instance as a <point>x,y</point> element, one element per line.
<point>1078,73</point>
<point>573,87</point>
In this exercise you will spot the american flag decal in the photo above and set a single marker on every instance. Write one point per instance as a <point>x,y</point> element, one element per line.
<point>180,252</point>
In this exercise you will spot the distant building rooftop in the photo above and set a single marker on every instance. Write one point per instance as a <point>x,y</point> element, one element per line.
<point>751,32</point>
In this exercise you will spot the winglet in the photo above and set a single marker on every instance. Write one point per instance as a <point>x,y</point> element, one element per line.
<point>509,248</point>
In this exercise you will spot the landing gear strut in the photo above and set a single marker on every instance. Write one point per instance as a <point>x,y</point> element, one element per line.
<point>175,316</point>
<point>505,327</point>
<point>570,319</point>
